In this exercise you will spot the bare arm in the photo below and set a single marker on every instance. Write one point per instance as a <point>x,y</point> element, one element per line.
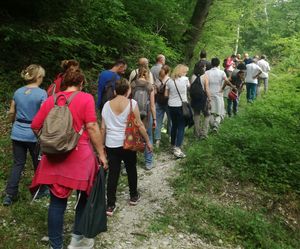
<point>153,109</point>
<point>206,87</point>
<point>142,128</point>
<point>12,111</point>
<point>98,141</point>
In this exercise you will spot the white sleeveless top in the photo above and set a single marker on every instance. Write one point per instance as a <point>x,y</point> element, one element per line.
<point>115,124</point>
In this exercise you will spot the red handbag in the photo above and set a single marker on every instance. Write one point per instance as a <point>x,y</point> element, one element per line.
<point>232,95</point>
<point>133,139</point>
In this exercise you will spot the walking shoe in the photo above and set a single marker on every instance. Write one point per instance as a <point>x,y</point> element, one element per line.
<point>178,153</point>
<point>81,242</point>
<point>110,210</point>
<point>134,200</point>
<point>8,200</point>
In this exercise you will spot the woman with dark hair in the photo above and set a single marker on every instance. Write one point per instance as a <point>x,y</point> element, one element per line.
<point>114,120</point>
<point>161,102</point>
<point>24,106</point>
<point>74,170</point>
<point>57,86</point>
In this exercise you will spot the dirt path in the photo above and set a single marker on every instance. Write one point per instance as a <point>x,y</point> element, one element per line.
<point>129,227</point>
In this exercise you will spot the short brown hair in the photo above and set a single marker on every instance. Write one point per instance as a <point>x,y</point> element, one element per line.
<point>121,86</point>
<point>74,78</point>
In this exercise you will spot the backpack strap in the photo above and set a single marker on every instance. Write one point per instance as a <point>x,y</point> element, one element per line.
<point>57,96</point>
<point>71,97</point>
<point>178,91</point>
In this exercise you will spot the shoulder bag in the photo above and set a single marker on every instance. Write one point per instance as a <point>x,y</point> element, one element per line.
<point>133,139</point>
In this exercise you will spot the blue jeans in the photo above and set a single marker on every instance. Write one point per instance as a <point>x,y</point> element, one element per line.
<point>148,154</point>
<point>178,125</point>
<point>251,91</point>
<point>56,213</point>
<point>20,149</point>
<point>160,112</point>
<point>233,103</point>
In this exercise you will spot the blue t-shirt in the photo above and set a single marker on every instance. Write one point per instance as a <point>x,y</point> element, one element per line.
<point>104,78</point>
<point>28,102</point>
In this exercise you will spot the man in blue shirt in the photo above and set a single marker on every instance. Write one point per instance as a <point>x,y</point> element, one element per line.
<point>107,77</point>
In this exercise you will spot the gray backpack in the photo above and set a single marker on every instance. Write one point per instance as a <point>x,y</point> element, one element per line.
<point>141,95</point>
<point>57,135</point>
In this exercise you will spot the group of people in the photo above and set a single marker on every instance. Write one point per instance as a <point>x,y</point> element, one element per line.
<point>155,95</point>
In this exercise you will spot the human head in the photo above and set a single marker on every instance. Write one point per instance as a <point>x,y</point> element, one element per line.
<point>179,70</point>
<point>119,66</point>
<point>33,73</point>
<point>122,87</point>
<point>74,78</point>
<point>238,56</point>
<point>202,54</point>
<point>215,62</point>
<point>69,64</point>
<point>233,56</point>
<point>241,66</point>
<point>165,70</point>
<point>246,55</point>
<point>161,59</point>
<point>143,61</point>
<point>263,56</point>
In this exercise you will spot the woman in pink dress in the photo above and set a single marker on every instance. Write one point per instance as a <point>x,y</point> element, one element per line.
<point>75,170</point>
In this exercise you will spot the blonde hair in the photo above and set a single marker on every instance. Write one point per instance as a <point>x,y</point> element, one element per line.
<point>33,72</point>
<point>179,70</point>
<point>144,72</point>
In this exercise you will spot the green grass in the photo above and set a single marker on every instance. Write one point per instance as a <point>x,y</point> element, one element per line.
<point>241,186</point>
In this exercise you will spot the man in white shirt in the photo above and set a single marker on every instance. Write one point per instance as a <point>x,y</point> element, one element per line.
<point>264,76</point>
<point>252,73</point>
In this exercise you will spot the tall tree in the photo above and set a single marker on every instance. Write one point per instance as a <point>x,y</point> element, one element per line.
<point>193,33</point>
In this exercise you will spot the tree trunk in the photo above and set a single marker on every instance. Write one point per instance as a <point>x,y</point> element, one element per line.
<point>193,33</point>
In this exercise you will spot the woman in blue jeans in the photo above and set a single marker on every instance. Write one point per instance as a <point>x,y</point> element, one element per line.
<point>161,102</point>
<point>177,85</point>
<point>25,104</point>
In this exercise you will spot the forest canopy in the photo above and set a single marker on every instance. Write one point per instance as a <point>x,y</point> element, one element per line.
<point>98,32</point>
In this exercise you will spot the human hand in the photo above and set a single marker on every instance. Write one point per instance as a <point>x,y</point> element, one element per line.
<point>149,146</point>
<point>103,161</point>
<point>154,124</point>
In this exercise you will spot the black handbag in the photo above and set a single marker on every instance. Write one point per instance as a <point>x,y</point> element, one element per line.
<point>93,220</point>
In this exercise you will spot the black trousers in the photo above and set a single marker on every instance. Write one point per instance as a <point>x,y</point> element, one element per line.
<point>115,156</point>
<point>20,155</point>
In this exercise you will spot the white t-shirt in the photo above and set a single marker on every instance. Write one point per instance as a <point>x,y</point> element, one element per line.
<point>265,67</point>
<point>115,124</point>
<point>216,78</point>
<point>182,85</point>
<point>252,70</point>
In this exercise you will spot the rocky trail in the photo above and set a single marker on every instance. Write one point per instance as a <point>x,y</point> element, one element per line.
<point>129,226</point>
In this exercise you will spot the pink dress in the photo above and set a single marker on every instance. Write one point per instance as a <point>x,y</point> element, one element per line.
<point>76,169</point>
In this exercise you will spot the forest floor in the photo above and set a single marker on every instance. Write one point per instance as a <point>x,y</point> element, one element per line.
<point>134,226</point>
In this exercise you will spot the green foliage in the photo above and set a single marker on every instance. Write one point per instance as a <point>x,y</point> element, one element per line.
<point>227,180</point>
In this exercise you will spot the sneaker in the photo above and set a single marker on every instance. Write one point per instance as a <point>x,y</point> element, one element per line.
<point>110,210</point>
<point>178,153</point>
<point>81,242</point>
<point>134,200</point>
<point>8,200</point>
<point>148,166</point>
